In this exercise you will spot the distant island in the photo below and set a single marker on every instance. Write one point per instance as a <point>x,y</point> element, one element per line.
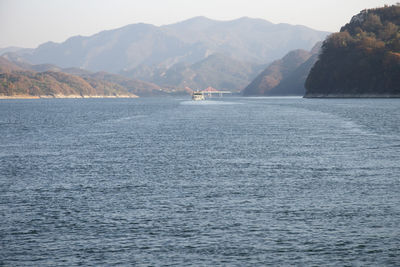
<point>362,60</point>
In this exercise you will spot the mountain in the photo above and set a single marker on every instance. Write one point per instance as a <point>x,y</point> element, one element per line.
<point>21,80</point>
<point>224,73</point>
<point>362,60</point>
<point>285,73</point>
<point>56,84</point>
<point>293,83</point>
<point>245,39</point>
<point>217,70</point>
<point>137,87</point>
<point>13,49</point>
<point>142,45</point>
<point>8,66</point>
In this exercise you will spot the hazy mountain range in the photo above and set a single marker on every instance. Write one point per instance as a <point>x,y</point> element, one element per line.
<point>198,52</point>
<point>253,56</point>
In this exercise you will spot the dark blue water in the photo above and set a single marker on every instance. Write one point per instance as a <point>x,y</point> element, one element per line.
<point>234,182</point>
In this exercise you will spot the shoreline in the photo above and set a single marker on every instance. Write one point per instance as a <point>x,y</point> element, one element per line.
<point>351,96</point>
<point>65,96</point>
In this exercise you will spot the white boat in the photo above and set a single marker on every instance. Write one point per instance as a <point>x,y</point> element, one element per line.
<point>196,96</point>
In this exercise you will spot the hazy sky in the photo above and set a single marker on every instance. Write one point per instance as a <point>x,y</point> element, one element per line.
<point>28,23</point>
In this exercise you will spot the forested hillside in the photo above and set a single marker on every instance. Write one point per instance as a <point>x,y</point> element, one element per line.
<point>16,81</point>
<point>362,60</point>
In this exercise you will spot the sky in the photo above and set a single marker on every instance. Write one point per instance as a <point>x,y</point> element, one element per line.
<point>29,23</point>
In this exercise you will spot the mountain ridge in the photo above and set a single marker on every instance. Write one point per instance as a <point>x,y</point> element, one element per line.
<point>284,77</point>
<point>21,79</point>
<point>217,70</point>
<point>189,41</point>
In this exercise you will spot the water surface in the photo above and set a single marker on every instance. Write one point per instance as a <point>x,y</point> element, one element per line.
<point>234,181</point>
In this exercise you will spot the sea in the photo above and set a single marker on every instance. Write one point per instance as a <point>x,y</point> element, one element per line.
<point>221,182</point>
